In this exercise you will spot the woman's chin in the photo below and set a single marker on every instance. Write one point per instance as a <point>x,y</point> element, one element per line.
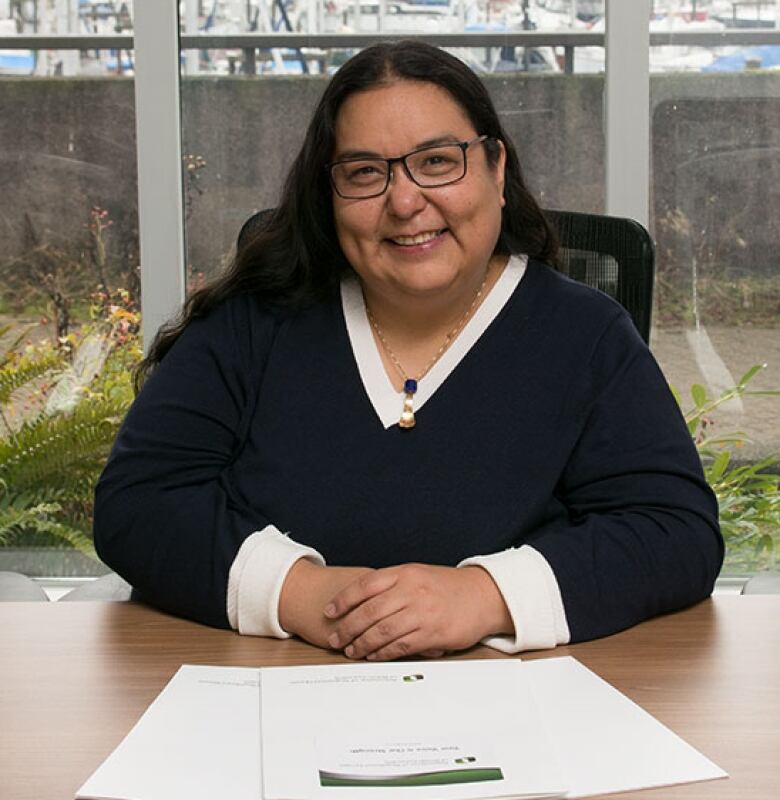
<point>427,283</point>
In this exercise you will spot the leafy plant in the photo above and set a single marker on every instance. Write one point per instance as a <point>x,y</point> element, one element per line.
<point>58,276</point>
<point>21,514</point>
<point>748,494</point>
<point>50,460</point>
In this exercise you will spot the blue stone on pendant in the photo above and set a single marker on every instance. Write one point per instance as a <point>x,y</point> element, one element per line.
<point>410,386</point>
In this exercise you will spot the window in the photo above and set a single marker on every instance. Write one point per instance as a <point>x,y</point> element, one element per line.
<point>69,280</point>
<point>250,75</point>
<point>237,146</point>
<point>715,167</point>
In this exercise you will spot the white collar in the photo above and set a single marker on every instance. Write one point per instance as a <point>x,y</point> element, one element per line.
<point>387,402</point>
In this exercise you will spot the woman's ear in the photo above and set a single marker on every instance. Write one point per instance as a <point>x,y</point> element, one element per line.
<point>500,171</point>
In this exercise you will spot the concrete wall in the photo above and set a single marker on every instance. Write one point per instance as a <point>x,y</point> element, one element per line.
<point>249,130</point>
<point>69,144</point>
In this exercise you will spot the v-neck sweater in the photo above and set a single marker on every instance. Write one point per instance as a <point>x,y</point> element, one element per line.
<point>555,431</point>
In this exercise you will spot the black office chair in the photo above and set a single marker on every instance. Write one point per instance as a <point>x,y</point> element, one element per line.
<point>612,254</point>
<point>253,225</point>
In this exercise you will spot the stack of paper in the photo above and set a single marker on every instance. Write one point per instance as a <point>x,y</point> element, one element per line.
<point>423,730</point>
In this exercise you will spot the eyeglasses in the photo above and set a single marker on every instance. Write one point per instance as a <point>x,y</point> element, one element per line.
<point>429,167</point>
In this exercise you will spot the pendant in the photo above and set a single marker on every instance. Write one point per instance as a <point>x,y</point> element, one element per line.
<point>407,415</point>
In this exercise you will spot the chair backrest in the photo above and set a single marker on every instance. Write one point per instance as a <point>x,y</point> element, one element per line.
<point>612,254</point>
<point>253,225</point>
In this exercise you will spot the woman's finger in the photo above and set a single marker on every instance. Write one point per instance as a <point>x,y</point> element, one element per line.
<point>369,614</point>
<point>385,631</point>
<point>363,588</point>
<point>412,644</point>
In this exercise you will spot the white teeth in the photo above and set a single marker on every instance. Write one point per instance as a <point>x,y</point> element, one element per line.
<point>420,238</point>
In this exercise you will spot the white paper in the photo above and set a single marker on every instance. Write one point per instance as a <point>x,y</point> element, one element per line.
<point>605,741</point>
<point>339,731</point>
<point>200,739</point>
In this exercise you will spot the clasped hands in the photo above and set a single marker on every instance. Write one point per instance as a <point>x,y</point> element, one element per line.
<point>383,614</point>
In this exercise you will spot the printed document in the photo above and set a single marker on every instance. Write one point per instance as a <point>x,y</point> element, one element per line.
<point>208,736</point>
<point>423,731</point>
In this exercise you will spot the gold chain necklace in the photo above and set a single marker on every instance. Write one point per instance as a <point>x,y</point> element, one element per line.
<point>407,419</point>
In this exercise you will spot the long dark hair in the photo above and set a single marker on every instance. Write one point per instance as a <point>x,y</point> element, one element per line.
<point>293,258</point>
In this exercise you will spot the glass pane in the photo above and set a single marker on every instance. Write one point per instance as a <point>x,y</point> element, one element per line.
<point>716,166</point>
<point>69,281</point>
<point>54,18</point>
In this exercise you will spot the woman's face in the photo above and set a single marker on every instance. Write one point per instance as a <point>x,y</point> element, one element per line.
<point>410,241</point>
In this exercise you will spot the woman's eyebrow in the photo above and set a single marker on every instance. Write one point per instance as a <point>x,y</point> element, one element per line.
<point>447,138</point>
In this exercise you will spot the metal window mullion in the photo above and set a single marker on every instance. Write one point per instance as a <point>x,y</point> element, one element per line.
<point>158,138</point>
<point>627,109</point>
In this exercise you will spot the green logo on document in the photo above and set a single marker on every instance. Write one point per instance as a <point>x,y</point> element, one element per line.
<point>413,678</point>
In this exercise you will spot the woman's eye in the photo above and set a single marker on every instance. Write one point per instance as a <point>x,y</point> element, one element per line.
<point>362,172</point>
<point>438,161</point>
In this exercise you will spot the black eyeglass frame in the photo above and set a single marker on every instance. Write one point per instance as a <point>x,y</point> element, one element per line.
<point>464,146</point>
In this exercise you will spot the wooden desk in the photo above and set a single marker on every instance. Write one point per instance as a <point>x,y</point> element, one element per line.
<point>74,678</point>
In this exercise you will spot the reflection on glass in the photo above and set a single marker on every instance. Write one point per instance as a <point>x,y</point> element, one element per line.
<point>235,167</point>
<point>382,16</point>
<point>238,144</point>
<point>69,283</point>
<point>65,17</point>
<point>716,164</point>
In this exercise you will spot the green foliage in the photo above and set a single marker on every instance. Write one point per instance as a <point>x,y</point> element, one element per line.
<point>21,514</point>
<point>748,494</point>
<point>53,277</point>
<point>16,368</point>
<point>51,458</point>
<point>61,453</point>
<point>15,373</point>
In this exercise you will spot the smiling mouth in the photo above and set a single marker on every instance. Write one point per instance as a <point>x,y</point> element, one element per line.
<point>420,238</point>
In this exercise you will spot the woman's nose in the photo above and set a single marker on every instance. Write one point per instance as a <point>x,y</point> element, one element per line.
<point>404,197</point>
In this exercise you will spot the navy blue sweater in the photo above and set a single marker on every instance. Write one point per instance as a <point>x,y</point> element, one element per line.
<point>557,429</point>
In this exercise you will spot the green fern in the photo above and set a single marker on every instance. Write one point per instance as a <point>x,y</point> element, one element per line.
<point>62,453</point>
<point>20,515</point>
<point>15,375</point>
<point>49,465</point>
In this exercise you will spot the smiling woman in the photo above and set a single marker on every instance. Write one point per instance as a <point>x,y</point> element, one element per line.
<point>423,241</point>
<point>460,444</point>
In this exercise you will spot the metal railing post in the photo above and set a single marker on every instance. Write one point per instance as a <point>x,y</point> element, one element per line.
<point>160,207</point>
<point>627,109</point>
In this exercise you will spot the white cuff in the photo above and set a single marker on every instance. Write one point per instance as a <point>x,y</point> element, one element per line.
<point>256,578</point>
<point>530,591</point>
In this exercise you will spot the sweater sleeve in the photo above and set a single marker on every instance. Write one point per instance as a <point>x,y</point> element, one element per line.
<point>166,517</point>
<point>256,579</point>
<point>532,598</point>
<point>636,529</point>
